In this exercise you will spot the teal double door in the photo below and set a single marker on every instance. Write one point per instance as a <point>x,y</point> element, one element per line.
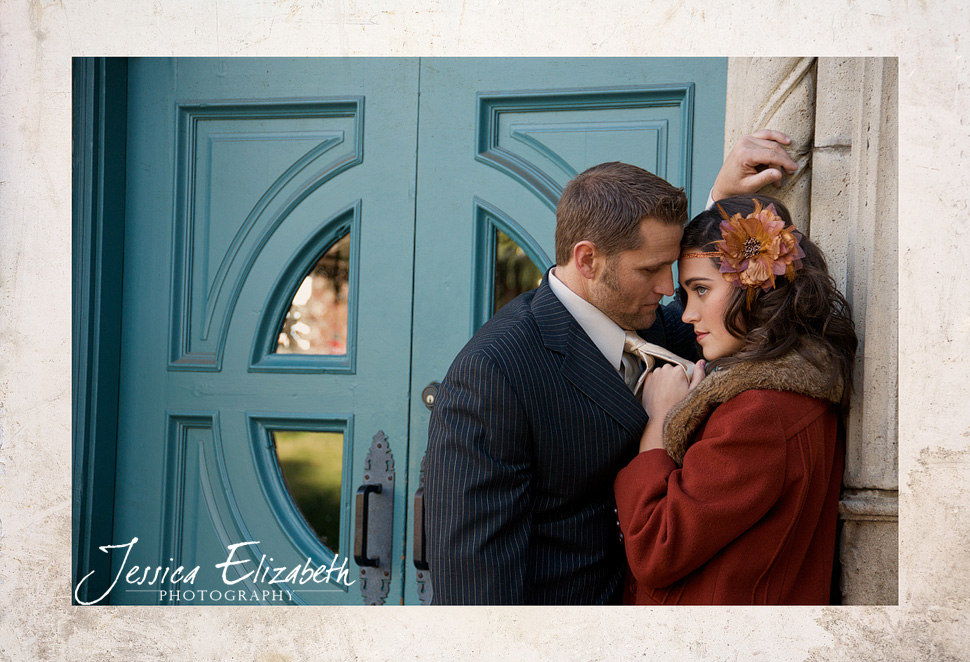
<point>240,175</point>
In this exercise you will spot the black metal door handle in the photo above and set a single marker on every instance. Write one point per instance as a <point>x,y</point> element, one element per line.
<point>360,526</point>
<point>374,523</point>
<point>419,549</point>
<point>419,553</point>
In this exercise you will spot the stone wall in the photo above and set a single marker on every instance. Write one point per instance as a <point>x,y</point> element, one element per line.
<point>841,116</point>
<point>776,93</point>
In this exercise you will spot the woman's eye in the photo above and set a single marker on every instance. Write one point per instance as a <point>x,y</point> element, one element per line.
<point>700,290</point>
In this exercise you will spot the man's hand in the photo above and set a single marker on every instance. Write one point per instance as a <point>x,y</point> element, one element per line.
<point>755,161</point>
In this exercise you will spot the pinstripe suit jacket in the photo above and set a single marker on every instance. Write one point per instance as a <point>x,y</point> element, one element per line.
<point>529,429</point>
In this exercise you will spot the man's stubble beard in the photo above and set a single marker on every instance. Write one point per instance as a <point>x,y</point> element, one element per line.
<point>612,304</point>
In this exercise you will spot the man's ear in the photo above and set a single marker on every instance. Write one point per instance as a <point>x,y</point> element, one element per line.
<point>586,259</point>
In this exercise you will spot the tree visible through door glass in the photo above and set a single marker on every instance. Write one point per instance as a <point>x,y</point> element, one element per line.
<point>311,463</point>
<point>316,322</point>
<point>514,271</point>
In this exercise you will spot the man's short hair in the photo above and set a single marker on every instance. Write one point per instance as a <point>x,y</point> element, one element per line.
<point>605,205</point>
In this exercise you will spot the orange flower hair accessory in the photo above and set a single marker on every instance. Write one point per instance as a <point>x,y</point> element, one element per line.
<point>756,248</point>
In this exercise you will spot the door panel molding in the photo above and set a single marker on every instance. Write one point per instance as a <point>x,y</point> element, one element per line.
<point>189,470</point>
<point>263,357</point>
<point>536,137</point>
<point>486,219</point>
<point>520,154</point>
<point>199,490</point>
<point>260,426</point>
<point>201,309</point>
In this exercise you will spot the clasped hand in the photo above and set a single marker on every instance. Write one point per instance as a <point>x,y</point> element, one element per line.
<point>664,387</point>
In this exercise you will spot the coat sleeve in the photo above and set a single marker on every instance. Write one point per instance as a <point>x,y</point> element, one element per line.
<point>675,519</point>
<point>477,481</point>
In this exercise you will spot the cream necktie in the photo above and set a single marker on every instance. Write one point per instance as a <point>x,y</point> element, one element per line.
<point>640,357</point>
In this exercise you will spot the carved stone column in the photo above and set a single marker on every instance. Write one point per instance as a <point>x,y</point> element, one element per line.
<point>775,93</point>
<point>854,220</point>
<point>840,114</point>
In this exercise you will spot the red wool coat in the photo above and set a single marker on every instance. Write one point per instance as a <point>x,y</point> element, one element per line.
<point>750,516</point>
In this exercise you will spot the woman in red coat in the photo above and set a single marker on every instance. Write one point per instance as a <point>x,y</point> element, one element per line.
<point>734,495</point>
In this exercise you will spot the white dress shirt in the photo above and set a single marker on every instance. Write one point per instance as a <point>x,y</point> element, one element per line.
<point>606,334</point>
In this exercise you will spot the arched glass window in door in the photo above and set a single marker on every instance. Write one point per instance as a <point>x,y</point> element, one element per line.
<point>507,261</point>
<point>316,322</point>
<point>515,272</point>
<point>308,323</point>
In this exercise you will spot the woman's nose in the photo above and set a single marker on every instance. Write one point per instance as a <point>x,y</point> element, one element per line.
<point>690,315</point>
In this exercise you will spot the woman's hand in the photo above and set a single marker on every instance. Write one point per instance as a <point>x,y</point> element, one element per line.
<point>667,385</point>
<point>663,388</point>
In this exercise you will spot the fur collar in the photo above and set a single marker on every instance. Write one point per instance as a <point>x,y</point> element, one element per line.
<point>792,372</point>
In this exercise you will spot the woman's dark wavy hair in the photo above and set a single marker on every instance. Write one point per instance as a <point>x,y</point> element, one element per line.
<point>781,319</point>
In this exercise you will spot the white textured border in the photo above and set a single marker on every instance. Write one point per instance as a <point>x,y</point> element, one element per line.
<point>37,40</point>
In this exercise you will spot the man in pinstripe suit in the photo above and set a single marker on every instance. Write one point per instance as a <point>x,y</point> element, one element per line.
<point>533,420</point>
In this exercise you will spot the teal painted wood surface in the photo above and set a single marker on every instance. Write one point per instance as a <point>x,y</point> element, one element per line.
<point>238,170</point>
<point>98,254</point>
<point>241,171</point>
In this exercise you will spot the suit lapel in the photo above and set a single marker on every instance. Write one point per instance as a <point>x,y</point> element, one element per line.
<point>583,363</point>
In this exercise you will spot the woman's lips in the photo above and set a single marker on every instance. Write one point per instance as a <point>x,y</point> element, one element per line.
<point>700,335</point>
